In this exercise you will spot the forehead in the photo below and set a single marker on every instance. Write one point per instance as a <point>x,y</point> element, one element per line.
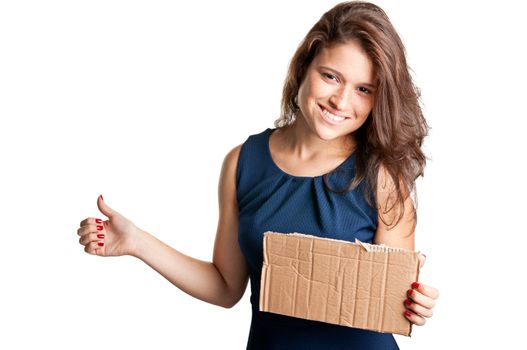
<point>349,59</point>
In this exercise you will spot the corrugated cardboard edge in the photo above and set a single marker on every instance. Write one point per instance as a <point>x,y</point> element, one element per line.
<point>368,247</point>
<point>265,275</point>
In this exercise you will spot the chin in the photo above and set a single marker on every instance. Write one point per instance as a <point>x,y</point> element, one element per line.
<point>327,134</point>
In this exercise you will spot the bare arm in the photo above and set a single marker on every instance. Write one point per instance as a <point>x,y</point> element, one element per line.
<point>224,280</point>
<point>421,297</point>
<point>402,234</point>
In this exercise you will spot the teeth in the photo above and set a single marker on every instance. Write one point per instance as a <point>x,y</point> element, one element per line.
<point>332,116</point>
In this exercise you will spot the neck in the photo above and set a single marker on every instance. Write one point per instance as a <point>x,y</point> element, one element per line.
<point>304,144</point>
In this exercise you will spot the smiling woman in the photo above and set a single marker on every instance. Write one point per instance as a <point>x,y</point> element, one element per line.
<point>368,58</point>
<point>328,98</point>
<point>350,120</point>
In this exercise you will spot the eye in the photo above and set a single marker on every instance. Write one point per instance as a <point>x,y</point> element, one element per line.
<point>329,76</point>
<point>363,89</point>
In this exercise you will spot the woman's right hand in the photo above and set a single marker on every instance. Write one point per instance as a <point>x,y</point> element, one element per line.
<point>113,237</point>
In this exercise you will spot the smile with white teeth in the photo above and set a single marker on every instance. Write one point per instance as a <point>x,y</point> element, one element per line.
<point>332,116</point>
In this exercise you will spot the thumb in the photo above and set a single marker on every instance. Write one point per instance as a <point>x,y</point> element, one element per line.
<point>105,209</point>
<point>422,260</point>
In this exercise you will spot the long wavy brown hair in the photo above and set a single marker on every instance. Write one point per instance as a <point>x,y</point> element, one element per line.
<point>394,131</point>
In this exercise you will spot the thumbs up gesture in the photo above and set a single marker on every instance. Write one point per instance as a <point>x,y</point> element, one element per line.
<point>113,237</point>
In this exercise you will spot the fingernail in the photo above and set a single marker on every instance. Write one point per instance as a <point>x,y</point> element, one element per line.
<point>407,302</point>
<point>100,244</point>
<point>410,292</point>
<point>102,197</point>
<point>99,227</point>
<point>98,221</point>
<point>100,236</point>
<point>424,255</point>
<point>415,285</point>
<point>407,314</point>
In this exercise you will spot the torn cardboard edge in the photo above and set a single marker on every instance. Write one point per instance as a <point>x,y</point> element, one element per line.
<point>358,285</point>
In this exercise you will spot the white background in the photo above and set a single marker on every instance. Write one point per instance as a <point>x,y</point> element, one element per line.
<point>140,101</point>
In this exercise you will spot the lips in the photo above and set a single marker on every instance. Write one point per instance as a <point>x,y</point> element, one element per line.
<point>330,117</point>
<point>334,112</point>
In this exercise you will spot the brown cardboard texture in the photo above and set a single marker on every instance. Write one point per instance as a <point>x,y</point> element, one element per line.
<point>357,284</point>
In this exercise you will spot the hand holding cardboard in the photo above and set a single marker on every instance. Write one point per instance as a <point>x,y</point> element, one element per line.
<point>421,299</point>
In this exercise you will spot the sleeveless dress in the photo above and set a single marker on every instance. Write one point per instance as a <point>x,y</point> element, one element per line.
<point>271,200</point>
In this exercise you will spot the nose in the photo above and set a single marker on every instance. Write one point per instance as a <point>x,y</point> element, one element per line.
<point>341,99</point>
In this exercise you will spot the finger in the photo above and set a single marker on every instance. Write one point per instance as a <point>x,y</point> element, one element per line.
<point>418,309</point>
<point>414,318</point>
<point>426,290</point>
<point>104,208</point>
<point>88,221</point>
<point>91,237</point>
<point>94,248</point>
<point>419,298</point>
<point>90,228</point>
<point>422,260</point>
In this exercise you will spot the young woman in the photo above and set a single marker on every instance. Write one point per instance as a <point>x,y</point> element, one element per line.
<point>341,162</point>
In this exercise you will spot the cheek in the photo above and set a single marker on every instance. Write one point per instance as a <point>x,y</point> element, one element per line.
<point>312,87</point>
<point>365,107</point>
<point>302,93</point>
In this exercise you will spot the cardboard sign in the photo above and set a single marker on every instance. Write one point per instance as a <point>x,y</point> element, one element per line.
<point>357,284</point>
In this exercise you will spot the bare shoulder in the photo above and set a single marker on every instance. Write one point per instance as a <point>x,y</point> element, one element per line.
<point>390,230</point>
<point>230,163</point>
<point>227,183</point>
<point>387,192</point>
<point>231,159</point>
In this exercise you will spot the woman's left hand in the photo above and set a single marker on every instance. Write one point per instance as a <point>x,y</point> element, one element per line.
<point>421,300</point>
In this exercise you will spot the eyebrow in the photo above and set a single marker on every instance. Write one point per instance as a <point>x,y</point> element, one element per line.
<point>371,86</point>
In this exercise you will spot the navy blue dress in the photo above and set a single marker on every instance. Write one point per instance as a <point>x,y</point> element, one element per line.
<point>271,200</point>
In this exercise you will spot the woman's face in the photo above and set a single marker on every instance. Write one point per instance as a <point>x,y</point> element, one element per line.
<point>337,93</point>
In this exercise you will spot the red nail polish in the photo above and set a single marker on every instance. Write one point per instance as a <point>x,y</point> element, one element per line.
<point>99,227</point>
<point>408,314</point>
<point>98,221</point>
<point>100,236</point>
<point>100,244</point>
<point>415,285</point>
<point>407,302</point>
<point>410,292</point>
